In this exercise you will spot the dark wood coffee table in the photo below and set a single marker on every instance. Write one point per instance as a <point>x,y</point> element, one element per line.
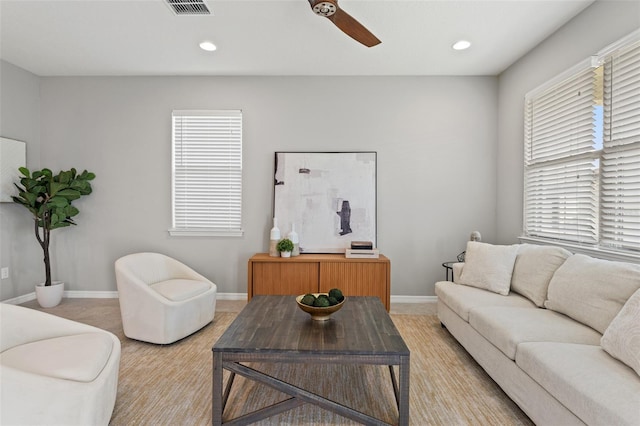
<point>272,329</point>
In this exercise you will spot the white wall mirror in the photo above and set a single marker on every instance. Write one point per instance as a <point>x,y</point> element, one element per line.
<point>13,155</point>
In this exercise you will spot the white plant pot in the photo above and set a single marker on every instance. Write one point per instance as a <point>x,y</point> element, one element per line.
<point>285,254</point>
<point>49,296</point>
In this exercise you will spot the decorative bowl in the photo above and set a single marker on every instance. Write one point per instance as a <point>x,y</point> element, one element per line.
<point>319,313</point>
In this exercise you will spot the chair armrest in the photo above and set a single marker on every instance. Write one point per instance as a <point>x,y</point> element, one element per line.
<point>457,271</point>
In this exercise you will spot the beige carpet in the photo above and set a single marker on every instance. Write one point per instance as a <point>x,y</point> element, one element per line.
<point>171,385</point>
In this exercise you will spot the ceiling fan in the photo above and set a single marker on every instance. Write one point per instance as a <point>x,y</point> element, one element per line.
<point>354,29</point>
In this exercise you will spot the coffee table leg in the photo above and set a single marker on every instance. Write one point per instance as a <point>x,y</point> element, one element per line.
<point>217,388</point>
<point>403,400</point>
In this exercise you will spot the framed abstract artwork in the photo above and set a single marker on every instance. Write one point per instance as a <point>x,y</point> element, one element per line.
<point>13,155</point>
<point>330,197</point>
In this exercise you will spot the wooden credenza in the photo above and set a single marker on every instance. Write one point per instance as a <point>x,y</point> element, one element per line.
<point>318,273</point>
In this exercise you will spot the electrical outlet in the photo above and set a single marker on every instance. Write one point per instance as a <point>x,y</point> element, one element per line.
<point>4,273</point>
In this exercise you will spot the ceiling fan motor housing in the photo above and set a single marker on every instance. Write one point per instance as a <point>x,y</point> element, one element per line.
<point>324,7</point>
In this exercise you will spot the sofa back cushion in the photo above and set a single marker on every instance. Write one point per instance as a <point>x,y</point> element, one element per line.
<point>534,268</point>
<point>151,268</point>
<point>591,290</point>
<point>622,338</point>
<point>489,266</point>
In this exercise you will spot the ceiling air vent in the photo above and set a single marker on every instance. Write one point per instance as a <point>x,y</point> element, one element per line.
<point>188,7</point>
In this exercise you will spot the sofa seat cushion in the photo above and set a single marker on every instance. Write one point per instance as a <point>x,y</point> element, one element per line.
<point>594,386</point>
<point>461,298</point>
<point>506,328</point>
<point>179,290</point>
<point>79,357</point>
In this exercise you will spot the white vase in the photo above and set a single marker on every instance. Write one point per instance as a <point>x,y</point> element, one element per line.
<point>285,254</point>
<point>49,296</point>
<point>293,236</point>
<point>274,237</point>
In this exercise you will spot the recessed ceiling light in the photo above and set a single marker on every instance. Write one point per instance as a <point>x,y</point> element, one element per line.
<point>208,46</point>
<point>461,45</point>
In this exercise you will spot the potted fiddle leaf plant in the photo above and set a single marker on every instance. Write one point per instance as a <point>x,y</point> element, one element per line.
<point>49,198</point>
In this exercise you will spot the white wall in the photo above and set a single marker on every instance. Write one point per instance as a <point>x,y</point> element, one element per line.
<point>435,138</point>
<point>601,24</point>
<point>20,120</point>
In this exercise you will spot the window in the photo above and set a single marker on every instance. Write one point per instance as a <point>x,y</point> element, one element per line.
<point>582,154</point>
<point>207,173</point>
<point>620,202</point>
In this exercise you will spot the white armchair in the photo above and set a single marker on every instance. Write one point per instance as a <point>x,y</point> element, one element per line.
<point>161,299</point>
<point>55,371</point>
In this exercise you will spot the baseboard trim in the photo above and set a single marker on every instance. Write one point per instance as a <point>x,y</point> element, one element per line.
<point>231,296</point>
<point>21,299</point>
<point>70,294</point>
<point>75,294</point>
<point>82,294</point>
<point>414,299</point>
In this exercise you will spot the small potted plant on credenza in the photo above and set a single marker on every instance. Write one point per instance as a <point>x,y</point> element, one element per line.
<point>285,246</point>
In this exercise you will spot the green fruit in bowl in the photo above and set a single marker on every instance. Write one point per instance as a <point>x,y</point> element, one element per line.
<point>337,294</point>
<point>321,302</point>
<point>308,299</point>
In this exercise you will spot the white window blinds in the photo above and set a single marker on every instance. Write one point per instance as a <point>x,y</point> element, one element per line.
<point>207,173</point>
<point>582,154</point>
<point>620,208</point>
<point>561,174</point>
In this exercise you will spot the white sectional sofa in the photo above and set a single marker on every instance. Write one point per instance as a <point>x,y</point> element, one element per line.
<point>54,371</point>
<point>559,332</point>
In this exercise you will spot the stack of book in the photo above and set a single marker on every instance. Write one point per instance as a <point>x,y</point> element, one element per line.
<point>362,250</point>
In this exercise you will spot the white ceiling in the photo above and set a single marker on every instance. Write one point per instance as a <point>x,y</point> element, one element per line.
<point>266,37</point>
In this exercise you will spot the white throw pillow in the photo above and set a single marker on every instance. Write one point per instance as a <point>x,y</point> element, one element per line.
<point>489,266</point>
<point>622,338</point>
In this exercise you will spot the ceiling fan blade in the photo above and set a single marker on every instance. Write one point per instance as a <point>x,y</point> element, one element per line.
<point>354,29</point>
